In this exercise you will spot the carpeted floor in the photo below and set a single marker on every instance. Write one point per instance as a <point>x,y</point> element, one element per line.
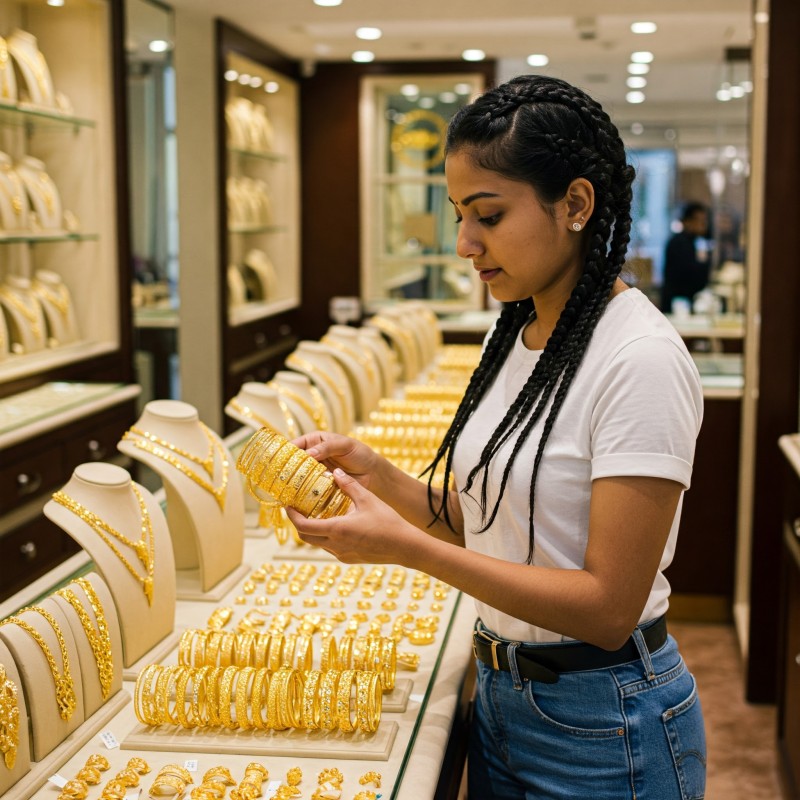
<point>742,753</point>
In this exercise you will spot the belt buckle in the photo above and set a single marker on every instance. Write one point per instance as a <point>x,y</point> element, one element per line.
<point>494,643</point>
<point>494,655</point>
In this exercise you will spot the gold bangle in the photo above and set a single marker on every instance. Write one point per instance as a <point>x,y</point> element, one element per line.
<point>291,698</point>
<point>225,697</point>
<point>346,644</point>
<point>212,641</point>
<point>303,653</point>
<point>90,775</point>
<point>212,683</point>
<point>369,701</point>
<point>185,674</point>
<point>261,650</point>
<point>259,698</point>
<point>220,775</point>
<point>177,771</point>
<point>185,647</point>
<point>226,644</point>
<point>167,786</point>
<point>136,763</point>
<point>327,699</point>
<point>311,711</point>
<point>343,701</point>
<point>245,679</point>
<point>273,722</point>
<point>275,656</point>
<point>114,790</point>
<point>74,790</point>
<point>284,475</point>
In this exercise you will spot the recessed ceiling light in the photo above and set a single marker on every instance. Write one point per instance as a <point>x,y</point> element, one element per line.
<point>473,55</point>
<point>255,81</point>
<point>644,27</point>
<point>230,75</point>
<point>638,69</point>
<point>55,3</point>
<point>159,46</point>
<point>641,57</point>
<point>462,88</point>
<point>409,90</point>
<point>270,87</point>
<point>426,102</point>
<point>369,33</point>
<point>448,97</point>
<point>736,92</point>
<point>637,129</point>
<point>761,17</point>
<point>363,56</point>
<point>244,78</point>
<point>723,95</point>
<point>327,2</point>
<point>636,82</point>
<point>538,60</point>
<point>635,97</point>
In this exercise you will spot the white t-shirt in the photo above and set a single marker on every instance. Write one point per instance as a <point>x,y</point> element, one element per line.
<point>634,408</point>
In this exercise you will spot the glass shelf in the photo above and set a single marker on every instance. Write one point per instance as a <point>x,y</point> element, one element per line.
<point>43,238</point>
<point>259,229</point>
<point>41,117</point>
<point>264,156</point>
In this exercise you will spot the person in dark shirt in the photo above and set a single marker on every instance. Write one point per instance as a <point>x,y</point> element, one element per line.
<point>685,270</point>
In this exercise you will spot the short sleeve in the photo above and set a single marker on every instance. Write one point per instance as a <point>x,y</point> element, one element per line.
<point>647,412</point>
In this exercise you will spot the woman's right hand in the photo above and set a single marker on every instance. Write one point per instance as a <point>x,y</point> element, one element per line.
<point>335,450</point>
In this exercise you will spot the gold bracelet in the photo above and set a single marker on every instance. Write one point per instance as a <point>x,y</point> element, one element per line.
<point>167,786</point>
<point>185,674</point>
<point>170,709</point>
<point>261,650</point>
<point>74,790</point>
<point>212,682</point>
<point>329,658</point>
<point>199,700</point>
<point>244,650</point>
<point>346,651</point>
<point>259,698</point>
<point>90,775</point>
<point>100,639</point>
<point>311,710</point>
<point>143,705</point>
<point>291,698</point>
<point>275,656</point>
<point>9,719</point>
<point>244,680</point>
<point>286,472</point>
<point>369,700</point>
<point>220,775</point>
<point>225,696</point>
<point>65,691</point>
<point>343,701</point>
<point>327,699</point>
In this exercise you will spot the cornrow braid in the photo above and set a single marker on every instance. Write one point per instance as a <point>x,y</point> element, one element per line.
<point>547,133</point>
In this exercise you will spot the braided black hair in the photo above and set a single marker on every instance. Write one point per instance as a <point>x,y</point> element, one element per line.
<point>547,133</point>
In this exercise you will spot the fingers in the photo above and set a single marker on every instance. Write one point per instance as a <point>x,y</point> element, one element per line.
<point>350,486</point>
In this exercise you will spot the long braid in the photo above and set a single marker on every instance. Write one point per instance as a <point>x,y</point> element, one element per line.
<point>546,132</point>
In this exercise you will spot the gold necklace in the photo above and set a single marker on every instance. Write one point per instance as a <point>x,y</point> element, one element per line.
<point>13,180</point>
<point>246,411</point>
<point>65,692</point>
<point>100,639</point>
<point>48,191</point>
<point>9,719</point>
<point>59,298</point>
<point>317,412</point>
<point>4,67</point>
<point>206,463</point>
<point>354,354</point>
<point>37,64</point>
<point>304,365</point>
<point>144,547</point>
<point>217,492</point>
<point>20,305</point>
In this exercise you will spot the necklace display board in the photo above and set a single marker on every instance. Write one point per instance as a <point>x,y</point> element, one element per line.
<point>43,194</point>
<point>32,65</point>
<point>385,357</point>
<point>359,366</point>
<point>14,737</point>
<point>122,527</point>
<point>401,341</point>
<point>56,302</point>
<point>305,401</point>
<point>48,663</point>
<point>25,316</point>
<point>205,499</point>
<point>316,362</point>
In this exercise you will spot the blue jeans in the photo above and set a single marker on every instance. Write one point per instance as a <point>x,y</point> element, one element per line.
<point>630,732</point>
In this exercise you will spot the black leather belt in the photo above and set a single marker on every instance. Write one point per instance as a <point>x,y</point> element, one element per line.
<point>544,663</point>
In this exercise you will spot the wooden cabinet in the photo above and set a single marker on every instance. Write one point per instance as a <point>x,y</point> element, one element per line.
<point>789,658</point>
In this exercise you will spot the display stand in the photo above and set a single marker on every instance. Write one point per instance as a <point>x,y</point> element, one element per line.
<point>90,674</point>
<point>38,683</point>
<point>402,342</point>
<point>205,504</point>
<point>106,491</point>
<point>42,193</point>
<point>25,315</point>
<point>5,340</point>
<point>22,760</point>
<point>359,366</point>
<point>58,309</point>
<point>8,80</point>
<point>13,200</point>
<point>386,358</point>
<point>315,361</point>
<point>264,269</point>
<point>305,401</point>
<point>33,67</point>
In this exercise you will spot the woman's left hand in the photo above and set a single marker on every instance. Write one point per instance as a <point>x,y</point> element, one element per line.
<point>371,532</point>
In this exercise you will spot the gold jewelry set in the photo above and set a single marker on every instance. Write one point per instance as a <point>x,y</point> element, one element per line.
<point>97,632</point>
<point>346,700</point>
<point>169,452</point>
<point>143,548</point>
<point>31,313</point>
<point>279,468</point>
<point>62,678</point>
<point>9,719</point>
<point>58,298</point>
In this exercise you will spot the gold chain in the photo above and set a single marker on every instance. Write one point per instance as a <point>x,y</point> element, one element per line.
<point>317,412</point>
<point>65,692</point>
<point>246,411</point>
<point>56,297</point>
<point>100,639</point>
<point>304,365</point>
<point>144,547</point>
<point>206,463</point>
<point>29,313</point>
<point>217,492</point>
<point>9,719</point>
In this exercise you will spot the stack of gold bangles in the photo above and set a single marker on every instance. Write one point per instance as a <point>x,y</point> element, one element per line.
<point>347,700</point>
<point>272,464</point>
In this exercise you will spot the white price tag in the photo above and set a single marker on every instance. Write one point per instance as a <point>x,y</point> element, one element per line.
<point>133,793</point>
<point>58,780</point>
<point>272,787</point>
<point>190,764</point>
<point>417,698</point>
<point>109,740</point>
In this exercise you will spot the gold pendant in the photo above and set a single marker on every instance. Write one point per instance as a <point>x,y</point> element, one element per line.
<point>65,697</point>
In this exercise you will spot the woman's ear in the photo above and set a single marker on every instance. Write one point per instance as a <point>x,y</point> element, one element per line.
<point>579,201</point>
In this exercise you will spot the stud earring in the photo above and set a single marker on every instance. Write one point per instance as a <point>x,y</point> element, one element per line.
<point>576,226</point>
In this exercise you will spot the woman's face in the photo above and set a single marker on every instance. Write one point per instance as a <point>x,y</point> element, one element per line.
<point>519,248</point>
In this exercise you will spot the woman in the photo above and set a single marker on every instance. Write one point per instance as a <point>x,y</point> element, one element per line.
<point>570,453</point>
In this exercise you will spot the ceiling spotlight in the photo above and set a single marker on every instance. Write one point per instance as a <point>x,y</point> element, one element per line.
<point>159,46</point>
<point>363,56</point>
<point>369,33</point>
<point>244,78</point>
<point>736,91</point>
<point>426,102</point>
<point>473,55</point>
<point>448,97</point>
<point>55,3</point>
<point>255,81</point>
<point>327,2</point>
<point>462,88</point>
<point>723,95</point>
<point>637,129</point>
<point>635,97</point>
<point>644,27</point>
<point>409,90</point>
<point>636,82</point>
<point>230,75</point>
<point>270,87</point>
<point>538,60</point>
<point>638,69</point>
<point>641,57</point>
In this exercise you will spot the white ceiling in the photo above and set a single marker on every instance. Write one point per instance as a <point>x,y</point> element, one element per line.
<point>588,42</point>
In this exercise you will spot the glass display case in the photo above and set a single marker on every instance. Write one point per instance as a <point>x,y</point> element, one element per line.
<point>409,233</point>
